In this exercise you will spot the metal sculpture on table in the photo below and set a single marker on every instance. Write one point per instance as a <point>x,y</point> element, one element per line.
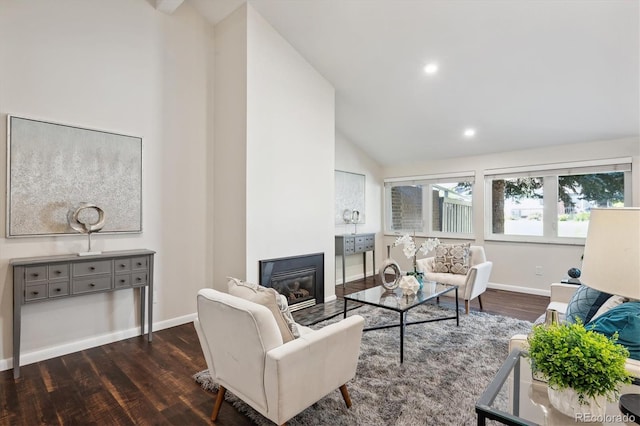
<point>389,263</point>
<point>81,223</point>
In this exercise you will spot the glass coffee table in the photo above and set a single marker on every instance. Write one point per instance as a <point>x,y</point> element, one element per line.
<point>514,398</point>
<point>394,300</point>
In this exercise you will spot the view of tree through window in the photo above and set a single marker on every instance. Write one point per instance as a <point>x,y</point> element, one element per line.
<point>577,194</point>
<point>518,204</point>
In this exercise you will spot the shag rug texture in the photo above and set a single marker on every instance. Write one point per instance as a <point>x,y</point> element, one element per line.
<point>445,370</point>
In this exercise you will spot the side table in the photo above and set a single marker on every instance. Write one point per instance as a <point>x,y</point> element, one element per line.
<point>514,398</point>
<point>44,279</point>
<point>349,244</point>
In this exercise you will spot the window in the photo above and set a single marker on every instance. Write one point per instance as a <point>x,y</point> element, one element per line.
<point>551,202</point>
<point>433,205</point>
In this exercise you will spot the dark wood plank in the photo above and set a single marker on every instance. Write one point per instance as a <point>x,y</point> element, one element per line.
<point>134,382</point>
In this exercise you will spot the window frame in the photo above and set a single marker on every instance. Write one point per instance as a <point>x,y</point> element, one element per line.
<point>549,173</point>
<point>426,182</point>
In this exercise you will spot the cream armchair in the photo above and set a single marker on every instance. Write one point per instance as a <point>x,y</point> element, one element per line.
<point>245,354</point>
<point>471,285</point>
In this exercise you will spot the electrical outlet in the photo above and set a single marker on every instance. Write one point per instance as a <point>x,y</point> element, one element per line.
<point>539,270</point>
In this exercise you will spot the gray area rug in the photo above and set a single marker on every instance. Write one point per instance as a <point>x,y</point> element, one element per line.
<point>445,370</point>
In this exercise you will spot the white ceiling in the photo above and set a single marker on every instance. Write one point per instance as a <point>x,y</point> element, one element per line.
<point>524,73</point>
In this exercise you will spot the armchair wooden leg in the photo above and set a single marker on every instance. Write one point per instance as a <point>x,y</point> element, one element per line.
<point>345,395</point>
<point>480,302</point>
<point>466,307</point>
<point>218,404</point>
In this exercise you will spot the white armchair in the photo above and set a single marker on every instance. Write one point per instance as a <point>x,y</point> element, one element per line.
<point>471,285</point>
<point>245,354</point>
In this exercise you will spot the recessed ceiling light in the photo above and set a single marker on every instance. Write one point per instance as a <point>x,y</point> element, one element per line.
<point>469,133</point>
<point>431,68</point>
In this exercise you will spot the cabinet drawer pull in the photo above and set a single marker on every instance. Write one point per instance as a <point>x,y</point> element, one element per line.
<point>58,272</point>
<point>122,281</point>
<point>138,279</point>
<point>93,268</point>
<point>35,274</point>
<point>58,289</point>
<point>92,285</point>
<point>122,265</point>
<point>139,263</point>
<point>35,293</point>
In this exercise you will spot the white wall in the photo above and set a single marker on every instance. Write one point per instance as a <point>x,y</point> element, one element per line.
<point>290,153</point>
<point>351,158</point>
<point>515,263</point>
<point>121,66</point>
<point>230,153</point>
<point>274,151</point>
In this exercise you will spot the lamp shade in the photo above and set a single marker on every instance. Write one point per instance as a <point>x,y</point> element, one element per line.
<point>611,260</point>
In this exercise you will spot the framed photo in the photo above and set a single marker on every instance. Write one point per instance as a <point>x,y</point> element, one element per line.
<point>53,167</point>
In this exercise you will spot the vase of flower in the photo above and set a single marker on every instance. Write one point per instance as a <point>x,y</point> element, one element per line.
<point>410,250</point>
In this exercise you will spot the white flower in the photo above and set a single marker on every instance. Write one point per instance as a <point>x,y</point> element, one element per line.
<point>429,245</point>
<point>409,246</point>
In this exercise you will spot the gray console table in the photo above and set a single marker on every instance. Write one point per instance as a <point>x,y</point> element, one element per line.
<point>349,244</point>
<point>41,279</point>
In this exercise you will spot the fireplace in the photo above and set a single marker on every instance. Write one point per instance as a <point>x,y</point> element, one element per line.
<point>299,278</point>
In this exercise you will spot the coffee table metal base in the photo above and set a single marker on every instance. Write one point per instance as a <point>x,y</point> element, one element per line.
<point>403,321</point>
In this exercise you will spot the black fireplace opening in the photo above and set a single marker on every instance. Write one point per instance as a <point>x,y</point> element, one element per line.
<point>299,278</point>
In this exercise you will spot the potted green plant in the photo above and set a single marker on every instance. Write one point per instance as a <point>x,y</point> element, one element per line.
<point>584,369</point>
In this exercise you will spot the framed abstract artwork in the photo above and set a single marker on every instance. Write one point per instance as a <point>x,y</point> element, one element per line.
<point>349,193</point>
<point>53,167</point>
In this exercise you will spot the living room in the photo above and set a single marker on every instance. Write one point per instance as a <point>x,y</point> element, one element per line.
<point>240,145</point>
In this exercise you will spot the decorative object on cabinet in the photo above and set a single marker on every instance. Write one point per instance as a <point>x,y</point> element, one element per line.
<point>81,223</point>
<point>353,244</point>
<point>42,279</point>
<point>73,164</point>
<point>349,198</point>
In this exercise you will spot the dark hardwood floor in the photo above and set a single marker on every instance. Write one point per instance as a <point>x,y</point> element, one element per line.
<point>137,382</point>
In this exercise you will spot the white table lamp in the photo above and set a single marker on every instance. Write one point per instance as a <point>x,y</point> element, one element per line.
<point>611,260</point>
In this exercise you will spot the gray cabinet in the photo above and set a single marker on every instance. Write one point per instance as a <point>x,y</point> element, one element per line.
<point>41,279</point>
<point>349,244</point>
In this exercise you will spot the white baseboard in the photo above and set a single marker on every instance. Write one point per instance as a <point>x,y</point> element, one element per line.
<point>519,289</point>
<point>67,348</point>
<point>352,278</point>
<point>330,298</point>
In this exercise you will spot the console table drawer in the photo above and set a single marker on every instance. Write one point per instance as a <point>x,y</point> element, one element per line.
<point>57,271</point>
<point>35,292</point>
<point>35,273</point>
<point>139,263</point>
<point>91,268</point>
<point>57,289</point>
<point>123,280</point>
<point>86,285</point>
<point>139,278</point>
<point>122,265</point>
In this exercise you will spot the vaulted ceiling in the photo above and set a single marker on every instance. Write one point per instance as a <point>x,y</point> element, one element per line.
<point>521,73</point>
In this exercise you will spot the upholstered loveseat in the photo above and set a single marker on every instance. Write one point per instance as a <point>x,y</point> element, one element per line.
<point>470,285</point>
